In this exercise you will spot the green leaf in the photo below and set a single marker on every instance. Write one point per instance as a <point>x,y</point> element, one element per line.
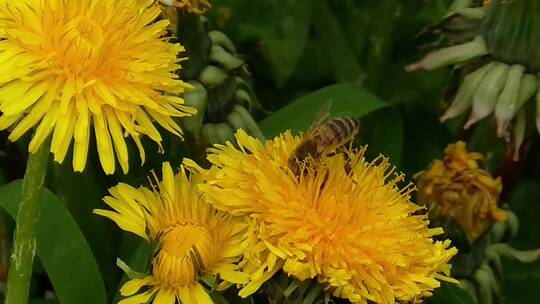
<point>519,278</point>
<point>61,248</point>
<point>354,21</point>
<point>426,140</point>
<point>485,141</point>
<point>380,41</point>
<point>451,294</point>
<point>525,202</point>
<point>284,44</point>
<point>335,44</point>
<point>282,41</point>
<point>382,131</point>
<point>231,296</point>
<point>32,300</point>
<point>42,301</point>
<point>218,298</point>
<point>347,98</point>
<point>100,233</point>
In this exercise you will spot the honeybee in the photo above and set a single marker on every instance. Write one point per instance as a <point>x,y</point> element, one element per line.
<point>323,137</point>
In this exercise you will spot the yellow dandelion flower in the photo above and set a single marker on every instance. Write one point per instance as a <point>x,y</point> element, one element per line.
<point>343,221</point>
<point>459,188</point>
<point>192,6</point>
<point>194,239</point>
<point>71,66</point>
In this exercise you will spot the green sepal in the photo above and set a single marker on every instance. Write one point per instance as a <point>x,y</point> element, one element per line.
<point>210,281</point>
<point>193,35</point>
<point>196,98</point>
<point>132,274</point>
<point>505,250</point>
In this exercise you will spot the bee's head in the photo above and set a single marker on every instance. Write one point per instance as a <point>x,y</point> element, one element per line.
<point>302,152</point>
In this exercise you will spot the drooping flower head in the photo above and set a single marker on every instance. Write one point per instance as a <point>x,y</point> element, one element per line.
<point>193,238</point>
<point>459,188</point>
<point>73,68</point>
<point>343,221</point>
<point>192,6</point>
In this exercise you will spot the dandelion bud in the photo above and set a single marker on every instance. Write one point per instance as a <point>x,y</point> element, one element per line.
<point>464,97</point>
<point>196,98</point>
<point>511,30</point>
<point>506,31</point>
<point>223,96</point>
<point>459,189</point>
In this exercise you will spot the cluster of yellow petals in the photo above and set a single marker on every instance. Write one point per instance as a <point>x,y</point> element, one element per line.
<point>344,221</point>
<point>67,67</point>
<point>459,188</point>
<point>192,6</point>
<point>193,239</point>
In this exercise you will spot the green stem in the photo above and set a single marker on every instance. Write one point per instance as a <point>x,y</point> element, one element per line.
<point>24,244</point>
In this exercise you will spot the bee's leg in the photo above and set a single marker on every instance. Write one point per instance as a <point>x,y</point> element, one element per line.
<point>331,154</point>
<point>294,165</point>
<point>324,179</point>
<point>347,167</point>
<point>300,168</point>
<point>347,162</point>
<point>421,211</point>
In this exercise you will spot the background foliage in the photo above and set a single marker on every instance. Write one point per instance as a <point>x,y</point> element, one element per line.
<point>300,53</point>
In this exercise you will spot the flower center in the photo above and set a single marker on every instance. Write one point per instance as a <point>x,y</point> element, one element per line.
<point>81,45</point>
<point>85,34</point>
<point>184,254</point>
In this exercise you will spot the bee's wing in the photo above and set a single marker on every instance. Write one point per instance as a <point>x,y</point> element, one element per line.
<point>321,116</point>
<point>344,114</point>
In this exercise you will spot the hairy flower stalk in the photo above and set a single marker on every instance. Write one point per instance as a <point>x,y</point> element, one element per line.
<point>193,239</point>
<point>88,67</point>
<point>501,37</point>
<point>24,238</point>
<point>343,222</point>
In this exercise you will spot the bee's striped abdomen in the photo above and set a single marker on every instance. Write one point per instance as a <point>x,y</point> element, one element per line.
<point>324,138</point>
<point>342,128</point>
